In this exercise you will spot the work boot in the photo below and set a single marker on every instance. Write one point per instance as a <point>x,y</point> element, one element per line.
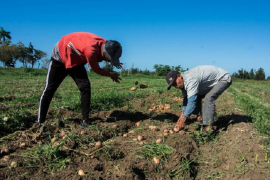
<point>199,118</point>
<point>85,124</point>
<point>208,129</point>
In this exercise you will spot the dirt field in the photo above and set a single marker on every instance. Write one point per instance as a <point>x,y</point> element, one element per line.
<point>235,151</point>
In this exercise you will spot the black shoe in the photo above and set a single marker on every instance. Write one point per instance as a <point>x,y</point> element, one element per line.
<point>85,125</point>
<point>208,129</point>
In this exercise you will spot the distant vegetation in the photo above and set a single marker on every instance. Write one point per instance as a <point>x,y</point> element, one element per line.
<point>252,74</point>
<point>11,53</point>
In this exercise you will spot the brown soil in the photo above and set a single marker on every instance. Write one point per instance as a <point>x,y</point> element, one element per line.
<point>236,152</point>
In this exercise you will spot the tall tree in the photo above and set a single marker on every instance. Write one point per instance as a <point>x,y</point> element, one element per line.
<point>162,70</point>
<point>251,74</point>
<point>45,62</point>
<point>241,73</point>
<point>4,34</point>
<point>38,54</point>
<point>7,52</point>
<point>246,75</point>
<point>260,75</point>
<point>21,53</point>
<point>33,55</point>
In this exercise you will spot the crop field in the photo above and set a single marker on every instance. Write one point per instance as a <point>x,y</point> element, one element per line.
<point>131,136</point>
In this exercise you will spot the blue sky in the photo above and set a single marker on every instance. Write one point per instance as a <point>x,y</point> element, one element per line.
<point>229,34</point>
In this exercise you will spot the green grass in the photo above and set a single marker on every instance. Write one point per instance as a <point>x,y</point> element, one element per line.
<point>151,150</point>
<point>254,106</point>
<point>202,137</point>
<point>21,90</point>
<point>52,158</point>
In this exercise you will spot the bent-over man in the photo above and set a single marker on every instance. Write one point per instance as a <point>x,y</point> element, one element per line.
<point>207,82</point>
<point>69,56</point>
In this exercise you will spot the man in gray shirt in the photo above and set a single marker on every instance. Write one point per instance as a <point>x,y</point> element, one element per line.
<point>207,82</point>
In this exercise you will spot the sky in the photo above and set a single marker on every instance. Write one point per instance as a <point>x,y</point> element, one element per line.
<point>231,34</point>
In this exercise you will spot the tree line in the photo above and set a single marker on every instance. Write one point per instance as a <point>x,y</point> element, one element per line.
<point>11,53</point>
<point>252,74</point>
<point>160,69</point>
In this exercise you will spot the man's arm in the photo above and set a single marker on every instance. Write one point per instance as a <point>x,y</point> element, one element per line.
<point>191,105</point>
<point>188,107</point>
<point>91,58</point>
<point>93,63</point>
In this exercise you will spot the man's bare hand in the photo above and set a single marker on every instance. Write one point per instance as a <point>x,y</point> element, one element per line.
<point>180,123</point>
<point>115,77</point>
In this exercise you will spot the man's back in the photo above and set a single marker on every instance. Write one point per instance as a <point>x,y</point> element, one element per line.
<point>201,79</point>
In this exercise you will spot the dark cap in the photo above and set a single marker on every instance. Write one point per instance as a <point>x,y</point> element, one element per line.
<point>113,51</point>
<point>171,77</point>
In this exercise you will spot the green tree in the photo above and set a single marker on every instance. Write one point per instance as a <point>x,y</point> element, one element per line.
<point>162,70</point>
<point>4,34</point>
<point>7,52</point>
<point>37,56</point>
<point>45,62</point>
<point>251,74</point>
<point>260,75</point>
<point>33,55</point>
<point>241,73</point>
<point>235,74</point>
<point>20,53</point>
<point>178,68</point>
<point>29,53</point>
<point>246,75</point>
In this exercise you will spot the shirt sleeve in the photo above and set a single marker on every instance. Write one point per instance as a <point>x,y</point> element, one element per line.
<point>184,104</point>
<point>192,87</point>
<point>184,94</point>
<point>191,105</point>
<point>91,58</point>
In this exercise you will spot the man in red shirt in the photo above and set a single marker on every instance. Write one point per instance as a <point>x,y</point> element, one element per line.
<point>69,56</point>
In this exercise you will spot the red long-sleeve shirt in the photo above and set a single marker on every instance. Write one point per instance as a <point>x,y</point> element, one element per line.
<point>81,48</point>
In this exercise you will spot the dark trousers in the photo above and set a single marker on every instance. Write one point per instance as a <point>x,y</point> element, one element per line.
<point>56,74</point>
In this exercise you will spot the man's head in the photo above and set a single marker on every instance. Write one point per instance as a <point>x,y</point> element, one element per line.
<point>112,50</point>
<point>174,78</point>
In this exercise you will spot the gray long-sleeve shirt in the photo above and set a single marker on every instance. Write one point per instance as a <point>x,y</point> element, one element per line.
<point>199,81</point>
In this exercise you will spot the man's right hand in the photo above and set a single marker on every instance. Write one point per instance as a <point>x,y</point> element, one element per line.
<point>180,123</point>
<point>115,77</point>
